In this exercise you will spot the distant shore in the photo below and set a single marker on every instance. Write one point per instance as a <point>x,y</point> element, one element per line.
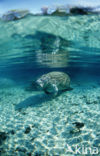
<point>58,11</point>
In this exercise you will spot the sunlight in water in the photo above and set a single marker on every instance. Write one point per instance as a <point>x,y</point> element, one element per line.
<point>50,86</point>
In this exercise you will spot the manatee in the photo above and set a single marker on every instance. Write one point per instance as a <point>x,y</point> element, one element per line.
<point>53,82</point>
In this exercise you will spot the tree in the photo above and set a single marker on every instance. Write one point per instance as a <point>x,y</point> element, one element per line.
<point>44,10</point>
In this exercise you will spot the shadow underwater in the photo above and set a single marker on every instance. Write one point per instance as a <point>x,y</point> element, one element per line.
<point>37,100</point>
<point>34,101</point>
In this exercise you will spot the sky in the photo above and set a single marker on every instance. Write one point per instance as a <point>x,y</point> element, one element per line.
<point>35,5</point>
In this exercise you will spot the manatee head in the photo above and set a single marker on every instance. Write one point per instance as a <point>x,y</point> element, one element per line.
<point>51,89</point>
<point>39,84</point>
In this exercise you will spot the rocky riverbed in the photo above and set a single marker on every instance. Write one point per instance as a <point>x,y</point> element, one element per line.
<point>31,123</point>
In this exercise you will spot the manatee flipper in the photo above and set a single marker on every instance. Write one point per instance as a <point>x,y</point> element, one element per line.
<point>53,90</point>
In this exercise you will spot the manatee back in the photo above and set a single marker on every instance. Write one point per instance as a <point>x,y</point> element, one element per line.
<point>59,79</point>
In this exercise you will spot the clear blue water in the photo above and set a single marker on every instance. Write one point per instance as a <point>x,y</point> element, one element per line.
<point>36,45</point>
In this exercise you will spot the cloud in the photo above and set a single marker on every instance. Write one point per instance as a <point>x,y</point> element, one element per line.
<point>89,2</point>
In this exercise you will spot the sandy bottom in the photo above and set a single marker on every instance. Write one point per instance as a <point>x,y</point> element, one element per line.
<point>33,124</point>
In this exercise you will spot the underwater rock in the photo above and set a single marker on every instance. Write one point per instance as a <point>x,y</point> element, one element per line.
<point>21,149</point>
<point>15,15</point>
<point>2,151</point>
<point>3,137</point>
<point>27,130</point>
<point>91,101</point>
<point>12,132</point>
<point>78,125</point>
<point>53,82</point>
<point>38,153</point>
<point>29,154</point>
